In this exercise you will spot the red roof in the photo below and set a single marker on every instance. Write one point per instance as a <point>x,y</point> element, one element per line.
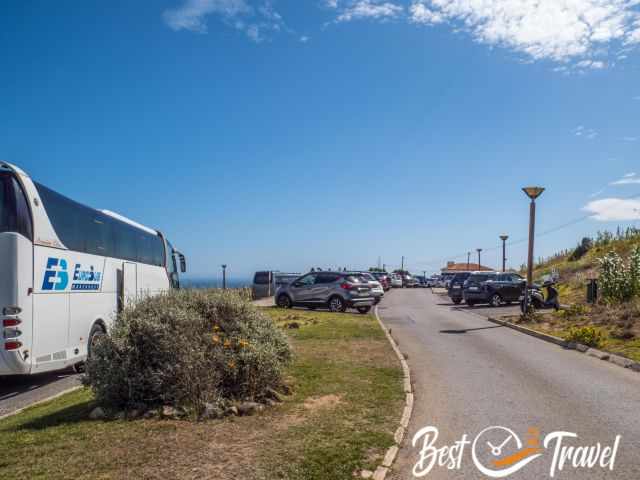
<point>466,267</point>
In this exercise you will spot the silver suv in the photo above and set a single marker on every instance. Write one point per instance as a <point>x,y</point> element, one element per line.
<point>336,291</point>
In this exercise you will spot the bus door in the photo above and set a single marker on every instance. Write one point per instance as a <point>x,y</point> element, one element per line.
<point>129,283</point>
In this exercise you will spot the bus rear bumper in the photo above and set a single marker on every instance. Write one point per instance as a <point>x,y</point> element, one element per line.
<point>11,363</point>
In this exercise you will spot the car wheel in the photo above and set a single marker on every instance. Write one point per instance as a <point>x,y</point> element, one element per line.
<point>496,300</point>
<point>364,310</point>
<point>470,303</point>
<point>457,301</point>
<point>337,304</point>
<point>284,301</point>
<point>377,300</point>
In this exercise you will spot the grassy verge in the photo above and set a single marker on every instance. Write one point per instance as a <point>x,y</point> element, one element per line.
<point>618,334</point>
<point>346,401</point>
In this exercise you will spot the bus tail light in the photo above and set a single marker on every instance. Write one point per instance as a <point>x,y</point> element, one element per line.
<point>12,345</point>
<point>11,322</point>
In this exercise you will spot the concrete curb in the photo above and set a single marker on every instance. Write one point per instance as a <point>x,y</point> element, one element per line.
<point>39,402</point>
<point>392,452</point>
<point>578,347</point>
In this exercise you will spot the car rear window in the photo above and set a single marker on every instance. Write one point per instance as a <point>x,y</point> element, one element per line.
<point>480,278</point>
<point>261,278</point>
<point>461,276</point>
<point>355,279</point>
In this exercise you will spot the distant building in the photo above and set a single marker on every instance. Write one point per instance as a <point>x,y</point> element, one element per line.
<point>453,267</point>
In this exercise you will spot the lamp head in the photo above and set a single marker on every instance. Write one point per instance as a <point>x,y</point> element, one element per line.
<point>504,238</point>
<point>533,192</point>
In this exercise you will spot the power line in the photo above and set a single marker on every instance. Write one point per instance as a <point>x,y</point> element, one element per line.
<point>519,241</point>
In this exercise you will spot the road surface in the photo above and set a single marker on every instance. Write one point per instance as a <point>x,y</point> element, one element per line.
<point>470,374</point>
<point>20,392</point>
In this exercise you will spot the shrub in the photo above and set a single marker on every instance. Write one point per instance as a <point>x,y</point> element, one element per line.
<point>186,349</point>
<point>620,280</point>
<point>586,335</point>
<point>581,250</point>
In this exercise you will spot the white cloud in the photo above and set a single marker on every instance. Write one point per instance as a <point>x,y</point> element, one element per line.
<point>588,133</point>
<point>192,15</point>
<point>630,174</point>
<point>614,209</point>
<point>304,39</point>
<point>370,9</point>
<point>331,3</point>
<point>637,98</point>
<point>420,13</point>
<point>559,30</point>
<point>591,64</point>
<point>628,179</point>
<point>630,139</point>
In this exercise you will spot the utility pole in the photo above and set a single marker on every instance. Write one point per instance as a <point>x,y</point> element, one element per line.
<point>402,265</point>
<point>384,267</point>
<point>468,261</point>
<point>224,276</point>
<point>504,239</point>
<point>532,193</point>
<point>479,250</point>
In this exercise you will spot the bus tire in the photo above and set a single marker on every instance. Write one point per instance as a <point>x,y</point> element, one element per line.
<point>97,331</point>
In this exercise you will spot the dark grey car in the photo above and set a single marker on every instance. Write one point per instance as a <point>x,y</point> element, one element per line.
<point>336,291</point>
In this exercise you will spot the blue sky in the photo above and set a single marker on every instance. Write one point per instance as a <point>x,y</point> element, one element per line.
<point>290,134</point>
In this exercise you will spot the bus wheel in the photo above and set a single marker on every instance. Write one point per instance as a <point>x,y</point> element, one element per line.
<point>97,332</point>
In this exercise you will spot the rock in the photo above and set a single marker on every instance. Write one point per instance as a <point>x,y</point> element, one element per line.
<point>274,395</point>
<point>211,412</point>
<point>133,414</point>
<point>150,414</point>
<point>271,402</point>
<point>171,412</point>
<point>249,408</point>
<point>366,474</point>
<point>232,411</point>
<point>293,325</point>
<point>97,414</point>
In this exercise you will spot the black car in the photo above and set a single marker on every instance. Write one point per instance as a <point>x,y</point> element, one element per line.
<point>493,288</point>
<point>455,287</point>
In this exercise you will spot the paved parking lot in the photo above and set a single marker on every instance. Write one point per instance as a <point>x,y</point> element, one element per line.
<point>485,310</point>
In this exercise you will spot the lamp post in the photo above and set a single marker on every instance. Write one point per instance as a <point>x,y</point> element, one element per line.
<point>224,277</point>
<point>532,193</point>
<point>479,250</point>
<point>468,261</point>
<point>504,239</point>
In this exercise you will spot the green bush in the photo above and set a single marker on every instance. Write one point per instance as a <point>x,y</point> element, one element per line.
<point>589,336</point>
<point>619,280</point>
<point>581,250</point>
<point>186,349</point>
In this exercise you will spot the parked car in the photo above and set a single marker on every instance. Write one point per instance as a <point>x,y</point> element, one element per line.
<point>376,287</point>
<point>432,281</point>
<point>455,288</point>
<point>408,281</point>
<point>396,280</point>
<point>422,281</point>
<point>446,279</point>
<point>266,283</point>
<point>335,290</point>
<point>493,288</point>
<point>384,279</point>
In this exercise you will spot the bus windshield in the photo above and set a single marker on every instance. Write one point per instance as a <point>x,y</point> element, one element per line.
<point>14,211</point>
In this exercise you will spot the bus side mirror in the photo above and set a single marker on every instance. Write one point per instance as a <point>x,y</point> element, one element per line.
<point>183,264</point>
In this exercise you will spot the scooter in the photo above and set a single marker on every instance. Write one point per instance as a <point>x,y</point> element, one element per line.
<point>537,300</point>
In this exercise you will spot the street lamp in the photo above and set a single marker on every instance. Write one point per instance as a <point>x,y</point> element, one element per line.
<point>504,239</point>
<point>532,193</point>
<point>224,277</point>
<point>468,261</point>
<point>479,250</point>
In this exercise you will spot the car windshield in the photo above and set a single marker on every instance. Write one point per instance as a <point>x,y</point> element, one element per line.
<point>480,277</point>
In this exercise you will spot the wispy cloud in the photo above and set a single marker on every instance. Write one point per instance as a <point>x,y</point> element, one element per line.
<point>629,139</point>
<point>369,9</point>
<point>613,209</point>
<point>637,98</point>
<point>628,179</point>
<point>588,133</point>
<point>253,21</point>
<point>564,31</point>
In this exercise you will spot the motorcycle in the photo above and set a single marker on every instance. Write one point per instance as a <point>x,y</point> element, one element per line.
<point>538,300</point>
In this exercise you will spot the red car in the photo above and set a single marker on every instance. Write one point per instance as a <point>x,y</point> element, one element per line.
<point>384,279</point>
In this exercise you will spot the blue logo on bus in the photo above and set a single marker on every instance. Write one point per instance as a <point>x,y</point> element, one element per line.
<point>55,276</point>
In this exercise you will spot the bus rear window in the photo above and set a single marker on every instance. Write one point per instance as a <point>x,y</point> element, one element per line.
<point>14,211</point>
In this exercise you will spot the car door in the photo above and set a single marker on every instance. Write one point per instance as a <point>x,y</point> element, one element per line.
<point>302,289</point>
<point>517,286</point>
<point>322,287</point>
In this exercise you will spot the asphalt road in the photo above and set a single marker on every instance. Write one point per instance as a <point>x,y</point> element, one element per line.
<point>470,374</point>
<point>20,392</point>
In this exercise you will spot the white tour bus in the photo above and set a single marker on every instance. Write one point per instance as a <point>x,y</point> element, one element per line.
<point>65,270</point>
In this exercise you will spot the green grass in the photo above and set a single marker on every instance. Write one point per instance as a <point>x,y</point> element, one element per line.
<point>346,402</point>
